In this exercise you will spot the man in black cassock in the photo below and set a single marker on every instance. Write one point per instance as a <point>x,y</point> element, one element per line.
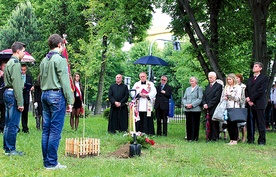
<point>118,96</point>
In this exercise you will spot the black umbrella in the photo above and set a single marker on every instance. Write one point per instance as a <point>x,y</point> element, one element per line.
<point>151,60</point>
<point>5,55</point>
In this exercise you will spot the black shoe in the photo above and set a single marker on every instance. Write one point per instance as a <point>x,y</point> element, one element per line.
<point>26,131</point>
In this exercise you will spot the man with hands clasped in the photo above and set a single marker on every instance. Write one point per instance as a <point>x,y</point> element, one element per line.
<point>13,99</point>
<point>161,105</point>
<point>255,93</point>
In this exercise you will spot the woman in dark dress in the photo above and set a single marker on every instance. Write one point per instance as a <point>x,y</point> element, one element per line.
<point>77,107</point>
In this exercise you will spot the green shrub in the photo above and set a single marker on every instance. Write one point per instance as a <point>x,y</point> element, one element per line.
<point>106,113</point>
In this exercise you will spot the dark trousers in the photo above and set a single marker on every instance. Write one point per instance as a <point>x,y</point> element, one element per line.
<point>24,119</point>
<point>162,115</point>
<point>273,117</point>
<point>269,113</point>
<point>256,116</point>
<point>214,130</point>
<point>233,130</point>
<point>192,125</point>
<point>145,124</point>
<point>2,117</point>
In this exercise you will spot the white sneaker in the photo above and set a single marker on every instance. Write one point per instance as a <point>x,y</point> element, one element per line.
<point>58,166</point>
<point>232,143</point>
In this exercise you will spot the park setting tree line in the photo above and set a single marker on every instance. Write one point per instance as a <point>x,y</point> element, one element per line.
<point>222,36</point>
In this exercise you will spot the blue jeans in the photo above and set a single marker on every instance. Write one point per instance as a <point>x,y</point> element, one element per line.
<point>12,119</point>
<point>54,109</point>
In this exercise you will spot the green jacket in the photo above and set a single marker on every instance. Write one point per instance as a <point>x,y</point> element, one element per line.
<point>13,79</point>
<point>54,75</point>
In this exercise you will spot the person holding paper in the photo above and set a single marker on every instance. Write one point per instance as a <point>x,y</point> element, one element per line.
<point>145,92</point>
<point>28,86</point>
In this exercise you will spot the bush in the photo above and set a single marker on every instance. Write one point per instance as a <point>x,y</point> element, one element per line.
<point>106,113</point>
<point>87,112</point>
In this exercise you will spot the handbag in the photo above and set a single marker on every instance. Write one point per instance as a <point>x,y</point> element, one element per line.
<point>219,111</point>
<point>171,107</point>
<point>237,114</point>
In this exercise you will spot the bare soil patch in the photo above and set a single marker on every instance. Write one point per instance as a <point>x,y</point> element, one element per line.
<point>122,152</point>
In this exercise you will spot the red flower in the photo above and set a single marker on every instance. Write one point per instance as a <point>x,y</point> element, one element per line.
<point>151,142</point>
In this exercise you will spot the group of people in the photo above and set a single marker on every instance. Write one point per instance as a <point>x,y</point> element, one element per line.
<point>146,97</point>
<point>56,94</point>
<point>27,87</point>
<point>251,95</point>
<point>238,95</point>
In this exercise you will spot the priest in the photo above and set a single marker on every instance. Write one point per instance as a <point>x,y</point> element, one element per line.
<point>145,92</point>
<point>118,97</point>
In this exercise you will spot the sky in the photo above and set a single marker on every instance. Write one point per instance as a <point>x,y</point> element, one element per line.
<point>160,19</point>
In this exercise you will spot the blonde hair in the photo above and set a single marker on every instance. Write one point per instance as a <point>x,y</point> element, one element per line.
<point>232,76</point>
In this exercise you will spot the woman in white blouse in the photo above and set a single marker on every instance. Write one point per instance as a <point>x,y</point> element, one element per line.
<point>232,93</point>
<point>77,107</point>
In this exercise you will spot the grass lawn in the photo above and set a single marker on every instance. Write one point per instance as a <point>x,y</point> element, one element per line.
<point>171,156</point>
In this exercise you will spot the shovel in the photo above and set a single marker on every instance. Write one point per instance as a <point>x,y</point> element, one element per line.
<point>134,149</point>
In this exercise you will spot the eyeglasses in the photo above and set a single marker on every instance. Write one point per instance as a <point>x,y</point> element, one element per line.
<point>163,79</point>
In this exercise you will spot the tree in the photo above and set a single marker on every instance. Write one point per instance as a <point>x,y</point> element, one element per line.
<point>225,35</point>
<point>21,26</point>
<point>6,6</point>
<point>61,17</point>
<point>259,12</point>
<point>116,22</point>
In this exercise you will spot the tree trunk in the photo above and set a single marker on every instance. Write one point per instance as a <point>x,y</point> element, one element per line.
<point>259,12</point>
<point>207,48</point>
<point>98,105</point>
<point>214,6</point>
<point>189,31</point>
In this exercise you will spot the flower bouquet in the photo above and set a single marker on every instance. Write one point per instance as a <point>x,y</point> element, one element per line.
<point>141,138</point>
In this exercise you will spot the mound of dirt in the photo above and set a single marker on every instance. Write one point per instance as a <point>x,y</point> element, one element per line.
<point>122,152</point>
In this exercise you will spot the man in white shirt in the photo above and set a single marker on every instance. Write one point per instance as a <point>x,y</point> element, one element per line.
<point>145,92</point>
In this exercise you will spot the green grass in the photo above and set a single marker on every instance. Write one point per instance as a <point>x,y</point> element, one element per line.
<point>171,156</point>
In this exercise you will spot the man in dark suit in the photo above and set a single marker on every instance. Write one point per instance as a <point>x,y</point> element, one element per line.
<point>2,105</point>
<point>28,86</point>
<point>255,93</point>
<point>161,106</point>
<point>210,100</point>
